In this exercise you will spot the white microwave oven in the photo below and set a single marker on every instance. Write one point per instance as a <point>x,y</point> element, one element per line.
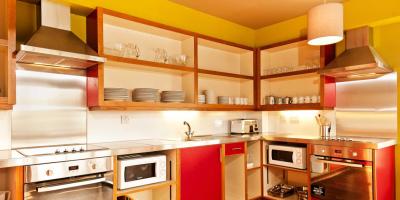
<point>287,156</point>
<point>134,170</point>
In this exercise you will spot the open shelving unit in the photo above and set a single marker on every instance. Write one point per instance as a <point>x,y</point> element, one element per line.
<point>290,69</point>
<point>254,174</point>
<point>212,64</point>
<point>274,174</point>
<point>167,190</point>
<point>7,47</point>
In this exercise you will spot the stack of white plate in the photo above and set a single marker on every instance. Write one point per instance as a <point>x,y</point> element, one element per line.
<point>116,94</point>
<point>223,100</point>
<point>210,97</point>
<point>145,95</point>
<point>172,96</point>
<point>201,99</point>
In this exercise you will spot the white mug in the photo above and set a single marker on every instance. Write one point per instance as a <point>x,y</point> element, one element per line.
<point>295,100</point>
<point>237,100</point>
<point>307,99</point>
<point>314,99</point>
<point>301,100</point>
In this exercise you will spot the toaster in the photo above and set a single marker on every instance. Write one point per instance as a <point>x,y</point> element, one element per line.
<point>244,126</point>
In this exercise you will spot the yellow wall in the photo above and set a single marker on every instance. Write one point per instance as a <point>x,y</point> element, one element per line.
<point>172,14</point>
<point>356,13</point>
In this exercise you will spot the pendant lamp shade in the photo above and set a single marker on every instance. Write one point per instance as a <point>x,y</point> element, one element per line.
<point>325,24</point>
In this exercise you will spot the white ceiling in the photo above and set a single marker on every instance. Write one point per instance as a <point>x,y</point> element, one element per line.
<point>253,13</point>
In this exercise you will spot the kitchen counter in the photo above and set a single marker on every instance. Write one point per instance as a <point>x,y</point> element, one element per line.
<point>357,142</point>
<point>11,158</point>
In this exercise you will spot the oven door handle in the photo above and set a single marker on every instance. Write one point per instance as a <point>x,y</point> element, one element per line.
<point>70,185</point>
<point>340,163</point>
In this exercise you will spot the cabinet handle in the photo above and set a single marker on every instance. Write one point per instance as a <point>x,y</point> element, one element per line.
<point>237,149</point>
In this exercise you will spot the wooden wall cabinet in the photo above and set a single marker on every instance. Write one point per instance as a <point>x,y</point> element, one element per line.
<point>7,47</point>
<point>223,67</point>
<point>201,173</point>
<point>290,69</point>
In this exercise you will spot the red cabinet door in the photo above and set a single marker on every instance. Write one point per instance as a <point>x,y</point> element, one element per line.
<point>201,173</point>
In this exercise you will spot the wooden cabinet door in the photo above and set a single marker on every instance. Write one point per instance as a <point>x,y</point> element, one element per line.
<point>201,174</point>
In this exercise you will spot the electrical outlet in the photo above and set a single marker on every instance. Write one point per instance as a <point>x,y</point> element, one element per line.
<point>125,119</point>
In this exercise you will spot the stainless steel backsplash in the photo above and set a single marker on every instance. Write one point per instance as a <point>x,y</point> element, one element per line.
<point>368,107</point>
<point>50,109</point>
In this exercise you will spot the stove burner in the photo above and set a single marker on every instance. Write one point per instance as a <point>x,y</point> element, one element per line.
<point>339,139</point>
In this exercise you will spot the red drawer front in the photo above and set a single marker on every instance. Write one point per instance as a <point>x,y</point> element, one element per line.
<point>234,148</point>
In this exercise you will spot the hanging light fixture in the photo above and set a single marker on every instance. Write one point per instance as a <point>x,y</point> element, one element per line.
<point>325,24</point>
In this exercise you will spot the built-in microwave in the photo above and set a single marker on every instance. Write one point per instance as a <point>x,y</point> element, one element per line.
<point>288,156</point>
<point>138,170</point>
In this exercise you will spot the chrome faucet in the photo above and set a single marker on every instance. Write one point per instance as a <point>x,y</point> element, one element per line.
<point>188,133</point>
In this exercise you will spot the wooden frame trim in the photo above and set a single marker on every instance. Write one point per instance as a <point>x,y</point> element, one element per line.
<point>226,74</point>
<point>286,42</point>
<point>286,74</point>
<point>148,63</point>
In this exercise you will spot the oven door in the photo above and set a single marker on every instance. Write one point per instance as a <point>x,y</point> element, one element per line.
<point>337,179</point>
<point>142,171</point>
<point>79,188</point>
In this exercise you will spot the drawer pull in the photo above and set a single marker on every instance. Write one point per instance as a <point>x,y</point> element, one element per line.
<point>236,149</point>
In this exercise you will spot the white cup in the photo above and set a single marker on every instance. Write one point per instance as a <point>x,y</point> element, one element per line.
<point>237,100</point>
<point>245,101</point>
<point>301,100</point>
<point>295,100</point>
<point>314,99</point>
<point>319,99</point>
<point>307,99</point>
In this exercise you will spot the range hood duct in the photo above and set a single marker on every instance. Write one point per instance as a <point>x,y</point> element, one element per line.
<point>359,61</point>
<point>53,44</point>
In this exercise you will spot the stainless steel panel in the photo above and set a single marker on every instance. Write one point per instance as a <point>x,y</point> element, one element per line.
<point>96,191</point>
<point>52,171</point>
<point>343,152</point>
<point>367,108</point>
<point>50,109</point>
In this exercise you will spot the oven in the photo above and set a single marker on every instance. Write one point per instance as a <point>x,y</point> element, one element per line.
<point>341,173</point>
<point>288,156</point>
<point>138,170</point>
<point>78,180</point>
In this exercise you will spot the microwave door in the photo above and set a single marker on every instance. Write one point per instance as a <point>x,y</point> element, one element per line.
<point>139,172</point>
<point>282,156</point>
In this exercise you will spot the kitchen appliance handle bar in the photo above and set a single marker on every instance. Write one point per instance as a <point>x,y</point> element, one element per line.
<point>70,185</point>
<point>341,163</point>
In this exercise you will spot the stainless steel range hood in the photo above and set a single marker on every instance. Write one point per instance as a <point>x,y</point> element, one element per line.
<point>359,61</point>
<point>53,44</point>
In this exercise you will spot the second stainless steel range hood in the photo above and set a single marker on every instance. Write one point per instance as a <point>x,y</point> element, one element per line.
<point>53,44</point>
<point>359,61</point>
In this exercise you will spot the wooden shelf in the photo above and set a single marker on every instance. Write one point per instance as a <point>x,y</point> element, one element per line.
<point>224,107</point>
<point>231,75</point>
<point>3,42</point>
<point>146,187</point>
<point>256,198</point>
<point>253,168</point>
<point>305,106</point>
<point>294,73</point>
<point>291,197</point>
<point>4,104</point>
<point>149,63</point>
<point>129,105</point>
<point>287,168</point>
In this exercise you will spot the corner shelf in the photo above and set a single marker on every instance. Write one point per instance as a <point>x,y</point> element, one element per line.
<point>305,106</point>
<point>287,74</point>
<point>225,74</point>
